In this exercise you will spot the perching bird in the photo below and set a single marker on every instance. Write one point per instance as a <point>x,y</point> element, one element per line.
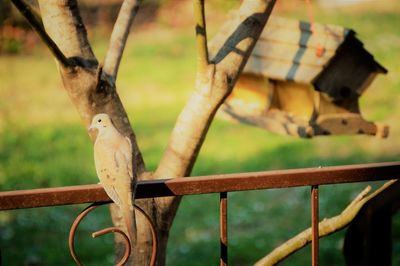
<point>113,161</point>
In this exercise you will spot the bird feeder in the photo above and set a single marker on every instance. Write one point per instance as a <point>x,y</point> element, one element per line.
<point>305,80</point>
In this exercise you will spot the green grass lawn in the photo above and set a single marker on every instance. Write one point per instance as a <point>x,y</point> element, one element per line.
<point>43,144</point>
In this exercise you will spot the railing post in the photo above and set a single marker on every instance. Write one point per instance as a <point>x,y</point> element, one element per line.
<point>314,225</point>
<point>223,211</point>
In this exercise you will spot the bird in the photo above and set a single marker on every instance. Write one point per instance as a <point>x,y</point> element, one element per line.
<point>113,163</point>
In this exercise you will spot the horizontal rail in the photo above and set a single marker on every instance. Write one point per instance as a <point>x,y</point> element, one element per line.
<point>205,184</point>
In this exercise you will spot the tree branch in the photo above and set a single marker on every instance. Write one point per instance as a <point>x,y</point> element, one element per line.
<point>201,36</point>
<point>62,21</point>
<point>85,85</point>
<point>119,36</point>
<point>236,40</point>
<point>212,88</point>
<point>326,227</point>
<point>34,20</point>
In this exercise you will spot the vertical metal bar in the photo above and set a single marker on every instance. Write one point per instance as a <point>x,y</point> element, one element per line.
<point>223,225</point>
<point>315,228</point>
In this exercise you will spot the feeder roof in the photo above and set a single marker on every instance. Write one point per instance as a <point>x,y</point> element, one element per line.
<point>288,49</point>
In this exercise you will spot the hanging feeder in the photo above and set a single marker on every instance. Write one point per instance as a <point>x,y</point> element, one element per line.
<point>305,80</point>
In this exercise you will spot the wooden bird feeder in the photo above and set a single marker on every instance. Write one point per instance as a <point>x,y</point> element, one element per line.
<point>305,80</point>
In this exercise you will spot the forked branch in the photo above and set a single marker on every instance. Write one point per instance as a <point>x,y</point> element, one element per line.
<point>119,36</point>
<point>326,227</point>
<point>213,86</point>
<point>34,20</point>
<point>201,36</point>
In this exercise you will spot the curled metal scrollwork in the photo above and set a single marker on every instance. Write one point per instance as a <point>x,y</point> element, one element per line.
<point>127,252</point>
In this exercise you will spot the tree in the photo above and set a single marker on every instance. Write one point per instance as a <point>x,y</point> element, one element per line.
<point>91,87</point>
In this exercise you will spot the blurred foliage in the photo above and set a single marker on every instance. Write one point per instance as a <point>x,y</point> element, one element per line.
<point>43,144</point>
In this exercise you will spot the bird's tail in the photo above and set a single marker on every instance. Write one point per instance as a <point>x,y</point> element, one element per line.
<point>128,214</point>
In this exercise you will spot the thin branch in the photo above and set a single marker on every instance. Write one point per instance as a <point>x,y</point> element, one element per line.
<point>34,20</point>
<point>119,36</point>
<point>326,227</point>
<point>201,35</point>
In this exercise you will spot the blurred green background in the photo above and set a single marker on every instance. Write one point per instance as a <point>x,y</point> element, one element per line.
<point>44,144</point>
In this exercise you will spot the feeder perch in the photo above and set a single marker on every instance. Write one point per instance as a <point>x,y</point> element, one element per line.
<point>305,83</point>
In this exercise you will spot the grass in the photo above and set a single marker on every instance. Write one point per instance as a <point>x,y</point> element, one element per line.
<point>43,144</point>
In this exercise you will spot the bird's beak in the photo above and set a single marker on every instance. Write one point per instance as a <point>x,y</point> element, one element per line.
<point>91,128</point>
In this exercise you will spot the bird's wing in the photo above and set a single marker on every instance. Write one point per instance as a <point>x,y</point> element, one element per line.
<point>123,166</point>
<point>112,193</point>
<point>112,169</point>
<point>123,162</point>
<point>126,150</point>
<point>114,176</point>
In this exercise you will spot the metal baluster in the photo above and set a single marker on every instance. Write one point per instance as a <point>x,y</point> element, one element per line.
<point>223,211</point>
<point>315,228</point>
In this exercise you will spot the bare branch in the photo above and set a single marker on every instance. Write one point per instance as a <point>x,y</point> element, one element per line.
<point>201,36</point>
<point>326,227</point>
<point>119,36</point>
<point>35,21</point>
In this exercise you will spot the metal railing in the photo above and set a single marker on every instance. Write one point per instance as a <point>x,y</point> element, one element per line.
<point>222,184</point>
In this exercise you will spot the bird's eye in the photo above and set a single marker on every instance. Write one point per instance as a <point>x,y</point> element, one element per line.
<point>99,120</point>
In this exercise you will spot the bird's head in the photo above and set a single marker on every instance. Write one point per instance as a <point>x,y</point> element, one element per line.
<point>100,122</point>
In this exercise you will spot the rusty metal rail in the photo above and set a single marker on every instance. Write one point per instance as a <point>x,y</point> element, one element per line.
<point>33,198</point>
<point>222,184</point>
